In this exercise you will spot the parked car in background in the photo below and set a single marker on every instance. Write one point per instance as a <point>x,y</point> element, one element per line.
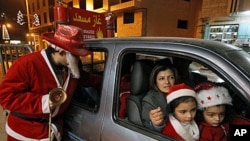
<point>93,114</point>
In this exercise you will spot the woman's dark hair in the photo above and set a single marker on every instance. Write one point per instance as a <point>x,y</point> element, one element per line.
<point>173,104</point>
<point>156,70</point>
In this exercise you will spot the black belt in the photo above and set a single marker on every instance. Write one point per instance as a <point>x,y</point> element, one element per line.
<point>41,120</point>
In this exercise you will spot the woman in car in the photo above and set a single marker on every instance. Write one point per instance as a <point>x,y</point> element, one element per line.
<point>154,104</point>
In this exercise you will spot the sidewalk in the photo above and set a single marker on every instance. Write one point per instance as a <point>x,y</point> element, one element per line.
<point>3,136</point>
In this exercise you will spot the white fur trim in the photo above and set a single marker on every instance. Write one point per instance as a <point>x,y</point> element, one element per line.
<point>45,103</point>
<point>213,96</point>
<point>18,136</point>
<point>189,134</point>
<point>55,133</point>
<point>180,93</point>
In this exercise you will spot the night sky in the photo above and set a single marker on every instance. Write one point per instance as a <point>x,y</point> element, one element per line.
<point>11,8</point>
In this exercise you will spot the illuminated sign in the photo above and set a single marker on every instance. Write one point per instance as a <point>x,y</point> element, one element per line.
<point>92,23</point>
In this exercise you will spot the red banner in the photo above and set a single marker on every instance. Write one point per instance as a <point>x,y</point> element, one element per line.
<point>92,23</point>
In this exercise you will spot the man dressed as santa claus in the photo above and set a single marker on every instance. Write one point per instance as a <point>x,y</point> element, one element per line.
<point>25,88</point>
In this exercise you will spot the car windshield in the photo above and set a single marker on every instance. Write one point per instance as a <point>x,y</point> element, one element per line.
<point>242,60</point>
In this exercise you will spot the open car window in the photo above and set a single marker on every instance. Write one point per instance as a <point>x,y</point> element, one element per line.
<point>198,71</point>
<point>88,98</point>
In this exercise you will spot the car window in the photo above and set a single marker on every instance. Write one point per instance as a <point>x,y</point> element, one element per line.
<point>89,97</point>
<point>197,71</point>
<point>240,59</point>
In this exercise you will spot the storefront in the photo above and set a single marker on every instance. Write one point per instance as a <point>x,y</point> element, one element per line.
<point>234,30</point>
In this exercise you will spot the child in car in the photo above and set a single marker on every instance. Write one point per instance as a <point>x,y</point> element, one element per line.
<point>214,105</point>
<point>181,107</point>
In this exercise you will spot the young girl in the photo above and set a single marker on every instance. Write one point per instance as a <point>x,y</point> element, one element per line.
<point>181,107</point>
<point>214,103</point>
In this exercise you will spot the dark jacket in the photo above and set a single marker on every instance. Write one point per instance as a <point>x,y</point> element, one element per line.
<point>152,100</point>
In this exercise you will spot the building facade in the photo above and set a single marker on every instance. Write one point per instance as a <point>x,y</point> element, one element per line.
<point>182,18</point>
<point>133,17</point>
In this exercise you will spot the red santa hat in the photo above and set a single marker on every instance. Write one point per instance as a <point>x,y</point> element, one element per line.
<point>208,94</point>
<point>179,90</point>
<point>68,37</point>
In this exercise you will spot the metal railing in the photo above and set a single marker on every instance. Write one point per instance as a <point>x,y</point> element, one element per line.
<point>9,53</point>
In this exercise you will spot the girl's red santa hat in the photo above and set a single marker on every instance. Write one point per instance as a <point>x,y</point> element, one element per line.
<point>180,90</point>
<point>208,94</point>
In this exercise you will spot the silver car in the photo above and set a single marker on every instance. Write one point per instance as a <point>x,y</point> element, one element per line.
<point>94,113</point>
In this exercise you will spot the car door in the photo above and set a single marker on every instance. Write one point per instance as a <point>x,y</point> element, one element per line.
<point>104,122</point>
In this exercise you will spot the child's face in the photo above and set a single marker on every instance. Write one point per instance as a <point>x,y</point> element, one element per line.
<point>185,111</point>
<point>214,115</point>
<point>164,80</point>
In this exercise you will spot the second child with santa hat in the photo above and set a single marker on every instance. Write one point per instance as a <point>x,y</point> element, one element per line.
<point>181,107</point>
<point>214,104</point>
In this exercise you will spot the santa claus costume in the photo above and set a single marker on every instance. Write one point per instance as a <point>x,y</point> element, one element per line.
<point>174,128</point>
<point>25,88</point>
<point>124,94</point>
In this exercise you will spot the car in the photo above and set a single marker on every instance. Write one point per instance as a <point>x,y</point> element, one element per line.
<point>93,114</point>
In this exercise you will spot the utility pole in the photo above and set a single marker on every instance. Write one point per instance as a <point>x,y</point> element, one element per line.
<point>28,13</point>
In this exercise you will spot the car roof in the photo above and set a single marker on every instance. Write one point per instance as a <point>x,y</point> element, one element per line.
<point>215,46</point>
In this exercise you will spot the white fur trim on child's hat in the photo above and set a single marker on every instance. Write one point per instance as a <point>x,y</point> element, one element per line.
<point>216,95</point>
<point>180,90</point>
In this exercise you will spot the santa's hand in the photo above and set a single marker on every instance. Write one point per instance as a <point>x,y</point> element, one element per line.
<point>52,106</point>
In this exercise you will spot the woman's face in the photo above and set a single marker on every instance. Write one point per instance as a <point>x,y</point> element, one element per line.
<point>164,80</point>
<point>214,115</point>
<point>185,111</point>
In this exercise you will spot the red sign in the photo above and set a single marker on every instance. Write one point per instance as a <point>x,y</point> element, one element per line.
<point>92,23</point>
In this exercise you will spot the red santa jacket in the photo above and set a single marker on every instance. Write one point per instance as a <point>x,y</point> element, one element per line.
<point>25,89</point>
<point>210,133</point>
<point>220,133</point>
<point>169,131</point>
<point>124,94</point>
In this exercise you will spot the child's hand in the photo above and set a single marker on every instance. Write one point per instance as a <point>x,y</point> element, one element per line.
<point>156,116</point>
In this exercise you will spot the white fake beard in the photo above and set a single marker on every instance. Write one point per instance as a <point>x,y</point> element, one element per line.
<point>73,65</point>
